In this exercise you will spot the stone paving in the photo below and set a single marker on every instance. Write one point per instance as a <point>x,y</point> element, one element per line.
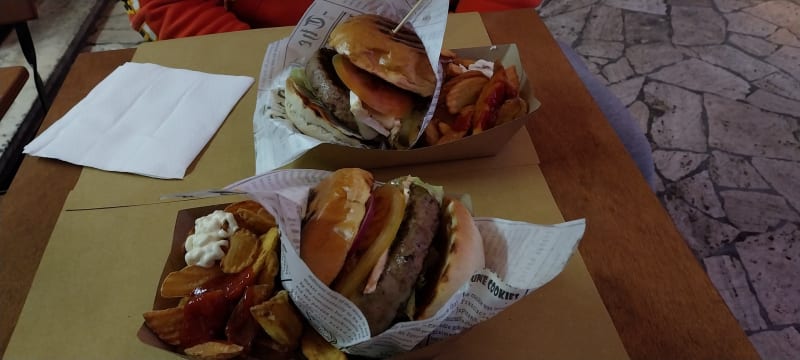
<point>715,86</point>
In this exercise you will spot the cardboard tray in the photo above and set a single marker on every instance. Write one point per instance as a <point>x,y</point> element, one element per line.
<point>487,143</point>
<point>184,222</point>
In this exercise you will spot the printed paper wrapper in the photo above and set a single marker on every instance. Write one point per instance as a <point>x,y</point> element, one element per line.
<point>278,142</point>
<point>520,257</point>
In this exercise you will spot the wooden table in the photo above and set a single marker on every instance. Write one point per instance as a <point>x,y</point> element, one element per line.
<point>662,303</point>
<point>11,81</point>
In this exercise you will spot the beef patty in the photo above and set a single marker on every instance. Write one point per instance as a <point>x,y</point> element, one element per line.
<point>328,88</point>
<point>405,261</point>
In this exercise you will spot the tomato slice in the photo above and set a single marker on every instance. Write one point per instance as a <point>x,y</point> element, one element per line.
<point>378,94</point>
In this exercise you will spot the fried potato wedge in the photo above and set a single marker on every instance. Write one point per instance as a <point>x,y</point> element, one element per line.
<point>513,79</point>
<point>251,205</point>
<point>214,350</point>
<point>459,78</point>
<point>252,216</point>
<point>261,293</point>
<point>166,324</point>
<point>279,319</point>
<point>511,109</point>
<point>464,92</point>
<point>258,222</point>
<point>447,54</point>
<point>181,283</point>
<point>268,274</point>
<point>432,133</point>
<point>458,128</point>
<point>263,347</point>
<point>269,243</point>
<point>452,70</point>
<point>314,347</point>
<point>492,96</point>
<point>242,251</point>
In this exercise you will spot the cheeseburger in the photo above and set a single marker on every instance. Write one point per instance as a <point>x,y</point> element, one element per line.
<point>368,86</point>
<point>398,251</point>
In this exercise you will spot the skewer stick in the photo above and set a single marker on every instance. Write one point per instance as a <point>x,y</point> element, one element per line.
<point>414,8</point>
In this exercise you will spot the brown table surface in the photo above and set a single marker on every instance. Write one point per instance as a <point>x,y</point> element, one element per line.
<point>660,299</point>
<point>12,79</point>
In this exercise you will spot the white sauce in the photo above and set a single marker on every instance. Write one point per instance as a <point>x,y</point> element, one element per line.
<point>485,67</point>
<point>204,247</point>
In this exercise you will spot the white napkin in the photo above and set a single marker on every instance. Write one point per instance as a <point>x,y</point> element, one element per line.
<point>144,119</point>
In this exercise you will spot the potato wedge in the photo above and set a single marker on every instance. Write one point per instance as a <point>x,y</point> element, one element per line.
<point>214,350</point>
<point>268,275</point>
<point>314,347</point>
<point>166,324</point>
<point>279,319</point>
<point>257,222</point>
<point>513,79</point>
<point>251,205</point>
<point>511,109</point>
<point>269,243</point>
<point>447,54</point>
<point>496,91</point>
<point>432,134</point>
<point>181,283</point>
<point>464,93</point>
<point>452,70</point>
<point>252,216</point>
<point>459,78</point>
<point>242,251</point>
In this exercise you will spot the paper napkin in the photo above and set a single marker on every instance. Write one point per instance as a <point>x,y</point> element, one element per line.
<point>144,119</point>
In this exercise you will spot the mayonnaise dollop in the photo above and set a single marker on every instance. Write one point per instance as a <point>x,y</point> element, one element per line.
<point>484,66</point>
<point>204,247</point>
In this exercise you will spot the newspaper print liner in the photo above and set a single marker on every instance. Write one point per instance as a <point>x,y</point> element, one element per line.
<point>278,139</point>
<point>520,257</point>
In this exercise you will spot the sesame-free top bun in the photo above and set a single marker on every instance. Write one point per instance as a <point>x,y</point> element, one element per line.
<point>463,256</point>
<point>337,206</point>
<point>400,59</point>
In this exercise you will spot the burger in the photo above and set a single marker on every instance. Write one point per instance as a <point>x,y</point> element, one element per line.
<point>398,251</point>
<point>368,86</point>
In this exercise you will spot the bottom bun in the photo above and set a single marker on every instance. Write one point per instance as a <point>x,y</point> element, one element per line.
<point>462,253</point>
<point>314,119</point>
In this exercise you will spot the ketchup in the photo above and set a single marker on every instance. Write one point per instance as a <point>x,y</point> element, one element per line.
<point>207,311</point>
<point>242,327</point>
<point>204,317</point>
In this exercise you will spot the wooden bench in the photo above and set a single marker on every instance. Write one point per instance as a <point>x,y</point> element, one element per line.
<point>11,81</point>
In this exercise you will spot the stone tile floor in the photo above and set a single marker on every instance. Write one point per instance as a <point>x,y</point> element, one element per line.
<point>53,34</point>
<point>715,86</point>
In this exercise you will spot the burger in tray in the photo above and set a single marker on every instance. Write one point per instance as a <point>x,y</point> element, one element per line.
<point>399,251</point>
<point>369,86</point>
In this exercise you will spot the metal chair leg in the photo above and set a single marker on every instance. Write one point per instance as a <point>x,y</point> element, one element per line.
<point>26,42</point>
